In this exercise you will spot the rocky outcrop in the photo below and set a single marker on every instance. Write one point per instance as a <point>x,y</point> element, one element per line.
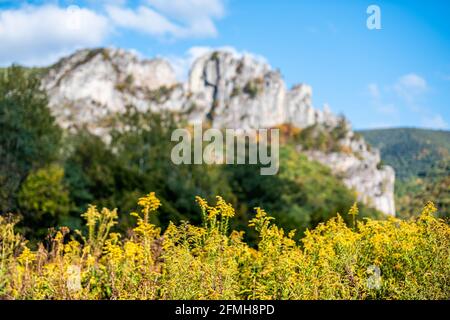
<point>360,170</point>
<point>233,92</point>
<point>237,92</point>
<point>90,87</point>
<point>245,93</point>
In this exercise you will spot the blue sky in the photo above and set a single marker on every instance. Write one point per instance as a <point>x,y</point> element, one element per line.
<point>396,76</point>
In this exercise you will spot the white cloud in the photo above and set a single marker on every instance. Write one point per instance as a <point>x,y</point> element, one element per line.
<point>190,9</point>
<point>142,19</point>
<point>435,122</point>
<point>175,18</point>
<point>39,35</point>
<point>410,87</point>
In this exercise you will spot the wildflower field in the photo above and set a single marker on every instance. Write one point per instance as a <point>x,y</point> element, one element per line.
<point>369,259</point>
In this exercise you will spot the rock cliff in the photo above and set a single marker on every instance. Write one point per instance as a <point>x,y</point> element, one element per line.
<point>88,88</point>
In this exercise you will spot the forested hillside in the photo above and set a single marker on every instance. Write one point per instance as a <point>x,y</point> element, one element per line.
<point>412,152</point>
<point>421,159</point>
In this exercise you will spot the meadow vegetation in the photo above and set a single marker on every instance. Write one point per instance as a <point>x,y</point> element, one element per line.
<point>368,259</point>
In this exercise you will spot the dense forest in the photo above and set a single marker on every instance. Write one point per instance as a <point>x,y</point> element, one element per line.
<point>421,159</point>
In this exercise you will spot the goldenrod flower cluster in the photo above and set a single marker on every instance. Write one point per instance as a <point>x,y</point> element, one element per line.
<point>374,259</point>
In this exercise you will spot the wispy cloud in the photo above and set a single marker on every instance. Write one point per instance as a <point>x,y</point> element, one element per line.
<point>410,87</point>
<point>435,122</point>
<point>142,19</point>
<point>407,96</point>
<point>176,18</point>
<point>190,10</point>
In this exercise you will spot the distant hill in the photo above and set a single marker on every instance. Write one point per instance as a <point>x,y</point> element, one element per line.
<point>411,152</point>
<point>421,159</point>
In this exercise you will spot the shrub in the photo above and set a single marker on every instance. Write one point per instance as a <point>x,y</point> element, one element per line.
<point>44,200</point>
<point>43,192</point>
<point>254,87</point>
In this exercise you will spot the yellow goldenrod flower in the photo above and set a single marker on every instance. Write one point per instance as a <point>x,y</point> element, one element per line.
<point>354,211</point>
<point>150,202</point>
<point>212,213</point>
<point>26,256</point>
<point>203,204</point>
<point>429,209</point>
<point>226,210</point>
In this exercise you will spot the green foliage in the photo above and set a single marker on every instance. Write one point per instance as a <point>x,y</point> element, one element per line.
<point>215,56</point>
<point>43,192</point>
<point>414,191</point>
<point>411,152</point>
<point>318,137</point>
<point>236,92</point>
<point>136,160</point>
<point>421,161</point>
<point>125,86</point>
<point>43,198</point>
<point>254,87</point>
<point>303,194</point>
<point>29,137</point>
<point>383,260</point>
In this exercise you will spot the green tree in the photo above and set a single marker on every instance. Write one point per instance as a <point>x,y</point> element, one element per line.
<point>29,137</point>
<point>43,198</point>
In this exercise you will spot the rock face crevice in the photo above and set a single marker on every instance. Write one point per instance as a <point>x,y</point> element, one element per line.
<point>230,91</point>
